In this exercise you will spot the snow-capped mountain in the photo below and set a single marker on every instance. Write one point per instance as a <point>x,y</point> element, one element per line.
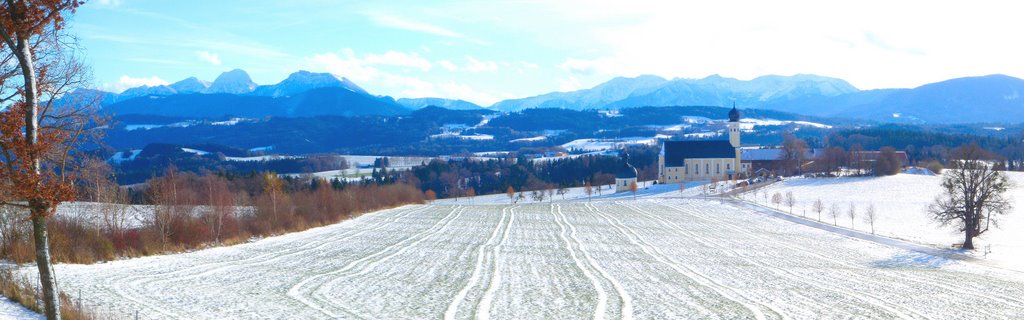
<point>302,81</point>
<point>143,91</point>
<point>190,85</point>
<point>594,98</point>
<point>451,104</point>
<point>716,90</point>
<point>234,82</point>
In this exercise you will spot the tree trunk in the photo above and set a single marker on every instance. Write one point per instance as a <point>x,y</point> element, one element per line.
<point>968,241</point>
<point>46,275</point>
<point>38,209</point>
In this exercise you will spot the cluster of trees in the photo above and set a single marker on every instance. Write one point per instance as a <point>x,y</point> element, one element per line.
<point>455,178</point>
<point>796,158</point>
<point>184,210</point>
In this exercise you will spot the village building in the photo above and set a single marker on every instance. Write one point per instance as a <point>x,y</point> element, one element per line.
<point>681,161</point>
<point>625,176</point>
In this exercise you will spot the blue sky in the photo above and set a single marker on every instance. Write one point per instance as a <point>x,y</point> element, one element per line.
<point>485,51</point>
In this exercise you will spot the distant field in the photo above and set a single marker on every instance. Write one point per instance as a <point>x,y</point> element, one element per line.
<point>649,258</point>
<point>901,202</point>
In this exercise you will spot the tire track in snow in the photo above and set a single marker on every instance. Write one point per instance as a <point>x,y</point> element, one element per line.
<point>690,273</point>
<point>136,286</point>
<point>453,307</point>
<point>626,311</point>
<point>268,258</point>
<point>483,309</point>
<point>918,278</point>
<point>370,264</point>
<point>871,300</point>
<point>295,292</point>
<point>602,296</point>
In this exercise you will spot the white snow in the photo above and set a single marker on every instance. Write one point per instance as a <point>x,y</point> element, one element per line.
<point>199,152</point>
<point>901,203</point>
<point>119,156</point>
<point>532,139</point>
<point>607,144</point>
<point>661,256</point>
<point>12,310</point>
<point>132,127</point>
<point>750,123</point>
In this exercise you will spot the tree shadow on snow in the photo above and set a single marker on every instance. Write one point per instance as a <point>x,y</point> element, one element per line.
<point>912,260</point>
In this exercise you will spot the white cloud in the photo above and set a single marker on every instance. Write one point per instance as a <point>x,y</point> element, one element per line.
<point>368,71</point>
<point>569,84</point>
<point>401,59</point>
<point>126,82</point>
<point>111,3</point>
<point>448,65</point>
<point>345,64</point>
<point>474,65</point>
<point>212,58</point>
<point>404,24</point>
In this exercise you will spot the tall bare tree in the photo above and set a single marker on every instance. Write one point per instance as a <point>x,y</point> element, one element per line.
<point>818,207</point>
<point>790,200</point>
<point>973,194</point>
<point>852,213</point>
<point>794,153</point>
<point>870,216</point>
<point>37,136</point>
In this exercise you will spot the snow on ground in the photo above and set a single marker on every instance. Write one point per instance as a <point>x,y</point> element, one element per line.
<point>532,139</point>
<point>120,156</point>
<point>661,256</point>
<point>750,123</point>
<point>901,203</point>
<point>607,144</point>
<point>12,310</point>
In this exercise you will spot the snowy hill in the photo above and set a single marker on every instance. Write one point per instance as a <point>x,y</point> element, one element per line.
<point>901,202</point>
<point>450,104</point>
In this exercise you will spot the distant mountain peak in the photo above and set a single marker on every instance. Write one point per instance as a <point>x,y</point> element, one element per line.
<point>303,80</point>
<point>236,81</point>
<point>190,85</point>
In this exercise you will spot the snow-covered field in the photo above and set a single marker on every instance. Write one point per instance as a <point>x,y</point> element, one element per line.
<point>660,257</point>
<point>901,203</point>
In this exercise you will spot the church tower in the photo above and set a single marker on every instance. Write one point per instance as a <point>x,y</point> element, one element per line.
<point>734,139</point>
<point>734,126</point>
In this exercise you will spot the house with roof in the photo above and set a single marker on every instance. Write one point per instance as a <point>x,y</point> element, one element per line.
<point>625,176</point>
<point>681,161</point>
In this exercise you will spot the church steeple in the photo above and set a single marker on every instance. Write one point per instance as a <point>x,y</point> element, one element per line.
<point>734,126</point>
<point>734,115</point>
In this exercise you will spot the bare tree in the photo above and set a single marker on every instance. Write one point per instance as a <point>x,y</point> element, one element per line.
<point>511,193</point>
<point>537,195</point>
<point>633,188</point>
<point>870,217</point>
<point>818,207</point>
<point>794,152</point>
<point>38,137</point>
<point>973,193</point>
<point>852,213</point>
<point>520,197</point>
<point>755,195</point>
<point>588,189</point>
<point>430,195</point>
<point>562,191</point>
<point>790,200</point>
<point>834,212</point>
<point>776,199</point>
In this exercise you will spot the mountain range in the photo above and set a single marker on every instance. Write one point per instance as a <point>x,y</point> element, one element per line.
<point>303,93</point>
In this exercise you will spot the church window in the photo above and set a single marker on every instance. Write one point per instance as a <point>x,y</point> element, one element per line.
<point>707,168</point>
<point>717,170</point>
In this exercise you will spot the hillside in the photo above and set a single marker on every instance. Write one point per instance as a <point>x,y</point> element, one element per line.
<point>647,258</point>
<point>901,202</point>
